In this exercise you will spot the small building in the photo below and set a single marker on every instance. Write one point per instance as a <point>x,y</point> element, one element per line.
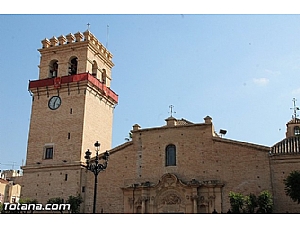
<point>10,187</point>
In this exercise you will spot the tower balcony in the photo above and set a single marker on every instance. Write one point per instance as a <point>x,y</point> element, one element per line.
<point>58,82</point>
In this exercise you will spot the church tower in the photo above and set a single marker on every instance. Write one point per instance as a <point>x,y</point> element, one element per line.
<point>72,108</point>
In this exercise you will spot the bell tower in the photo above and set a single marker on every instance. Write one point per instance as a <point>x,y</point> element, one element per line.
<point>72,108</point>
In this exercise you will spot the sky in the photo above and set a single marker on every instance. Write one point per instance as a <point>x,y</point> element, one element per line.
<point>242,70</point>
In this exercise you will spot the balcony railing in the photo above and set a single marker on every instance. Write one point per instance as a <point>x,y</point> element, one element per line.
<point>58,81</point>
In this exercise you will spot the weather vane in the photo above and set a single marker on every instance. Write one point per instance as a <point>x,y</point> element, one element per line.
<point>295,108</point>
<point>171,110</point>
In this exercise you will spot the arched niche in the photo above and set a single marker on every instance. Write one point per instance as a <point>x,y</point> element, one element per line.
<point>73,65</point>
<point>53,68</point>
<point>94,69</point>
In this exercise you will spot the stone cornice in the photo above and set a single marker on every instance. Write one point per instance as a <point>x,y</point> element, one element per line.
<point>246,144</point>
<point>59,166</point>
<point>172,127</point>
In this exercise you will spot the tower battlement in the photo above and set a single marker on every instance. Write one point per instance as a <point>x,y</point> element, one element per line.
<point>75,54</point>
<point>86,36</point>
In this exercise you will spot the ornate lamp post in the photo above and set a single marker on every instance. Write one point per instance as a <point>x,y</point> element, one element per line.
<point>95,167</point>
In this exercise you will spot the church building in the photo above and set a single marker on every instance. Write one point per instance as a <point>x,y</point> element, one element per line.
<point>181,167</point>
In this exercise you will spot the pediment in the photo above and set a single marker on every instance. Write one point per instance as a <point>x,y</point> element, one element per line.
<point>169,180</point>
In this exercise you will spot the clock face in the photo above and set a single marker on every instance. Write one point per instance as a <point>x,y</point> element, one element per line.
<point>54,102</point>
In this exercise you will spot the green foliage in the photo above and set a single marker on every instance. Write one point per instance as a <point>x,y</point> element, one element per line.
<point>265,202</point>
<point>75,202</point>
<point>236,202</point>
<point>251,203</point>
<point>56,200</point>
<point>1,208</point>
<point>129,138</point>
<point>28,201</point>
<point>292,186</point>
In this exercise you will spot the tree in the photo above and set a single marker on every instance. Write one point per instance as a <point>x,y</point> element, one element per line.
<point>265,202</point>
<point>28,201</point>
<point>236,202</point>
<point>292,186</point>
<point>250,203</point>
<point>56,200</point>
<point>75,202</point>
<point>129,138</point>
<point>1,208</point>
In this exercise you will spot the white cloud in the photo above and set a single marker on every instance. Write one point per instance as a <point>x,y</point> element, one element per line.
<point>261,81</point>
<point>296,91</point>
<point>272,72</point>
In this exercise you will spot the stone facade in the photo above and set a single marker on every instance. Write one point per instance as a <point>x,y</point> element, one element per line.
<point>207,168</point>
<point>182,167</point>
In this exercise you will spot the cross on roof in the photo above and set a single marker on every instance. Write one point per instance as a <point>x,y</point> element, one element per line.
<point>295,108</point>
<point>171,110</point>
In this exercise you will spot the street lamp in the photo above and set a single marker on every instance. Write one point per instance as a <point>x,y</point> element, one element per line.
<point>95,167</point>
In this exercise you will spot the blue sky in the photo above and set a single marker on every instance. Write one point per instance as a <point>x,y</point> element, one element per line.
<point>242,70</point>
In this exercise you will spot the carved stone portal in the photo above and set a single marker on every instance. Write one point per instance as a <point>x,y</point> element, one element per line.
<point>170,201</point>
<point>171,195</point>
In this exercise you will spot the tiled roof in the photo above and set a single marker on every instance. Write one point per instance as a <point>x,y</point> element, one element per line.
<point>183,122</point>
<point>287,145</point>
<point>3,181</point>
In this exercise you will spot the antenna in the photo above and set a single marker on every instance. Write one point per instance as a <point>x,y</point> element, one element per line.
<point>12,164</point>
<point>295,108</point>
<point>107,33</point>
<point>171,110</point>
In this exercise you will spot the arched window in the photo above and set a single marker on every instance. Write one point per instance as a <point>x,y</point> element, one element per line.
<point>94,69</point>
<point>73,66</point>
<point>297,131</point>
<point>104,76</point>
<point>53,69</point>
<point>171,155</point>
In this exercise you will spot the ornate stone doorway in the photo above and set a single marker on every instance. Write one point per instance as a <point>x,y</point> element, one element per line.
<point>170,201</point>
<point>171,195</point>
